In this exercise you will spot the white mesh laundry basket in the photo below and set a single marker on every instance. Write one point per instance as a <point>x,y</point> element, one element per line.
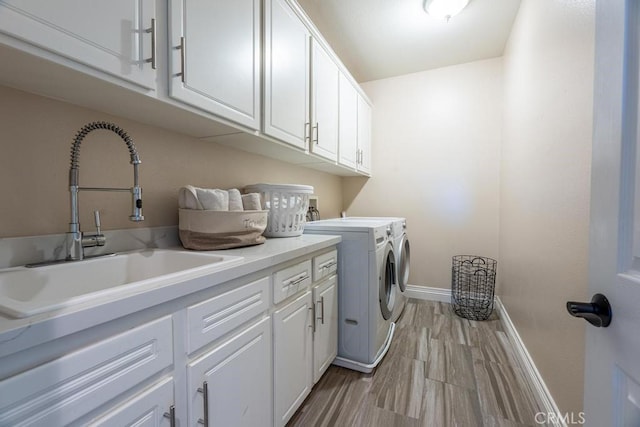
<point>287,205</point>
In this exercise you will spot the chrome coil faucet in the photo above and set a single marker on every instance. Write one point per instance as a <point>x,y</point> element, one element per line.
<point>76,241</point>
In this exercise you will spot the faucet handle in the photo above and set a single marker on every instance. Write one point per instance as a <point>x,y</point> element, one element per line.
<point>96,216</point>
<point>97,239</point>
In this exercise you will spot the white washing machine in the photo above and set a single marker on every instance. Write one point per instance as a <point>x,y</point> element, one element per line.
<point>367,290</point>
<point>403,256</point>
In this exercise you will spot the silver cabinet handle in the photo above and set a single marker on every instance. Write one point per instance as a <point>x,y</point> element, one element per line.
<point>321,318</point>
<point>328,264</point>
<point>316,127</point>
<point>313,318</point>
<point>152,30</point>
<point>307,132</point>
<point>181,47</point>
<point>171,415</point>
<point>205,397</point>
<point>300,280</point>
<point>297,281</point>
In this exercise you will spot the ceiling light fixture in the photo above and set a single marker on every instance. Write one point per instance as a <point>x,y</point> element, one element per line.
<point>444,9</point>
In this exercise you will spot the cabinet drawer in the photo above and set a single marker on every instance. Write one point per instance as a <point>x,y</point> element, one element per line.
<point>325,265</point>
<point>65,389</point>
<point>291,280</point>
<point>211,319</point>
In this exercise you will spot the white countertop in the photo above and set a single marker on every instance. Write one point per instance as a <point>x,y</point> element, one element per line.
<point>18,334</point>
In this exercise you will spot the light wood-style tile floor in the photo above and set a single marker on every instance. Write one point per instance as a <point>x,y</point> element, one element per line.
<point>441,370</point>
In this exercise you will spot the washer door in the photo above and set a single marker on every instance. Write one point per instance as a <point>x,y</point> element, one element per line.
<point>388,282</point>
<point>405,261</point>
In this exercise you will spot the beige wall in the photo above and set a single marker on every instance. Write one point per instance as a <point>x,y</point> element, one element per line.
<point>436,145</point>
<point>546,157</point>
<point>35,141</point>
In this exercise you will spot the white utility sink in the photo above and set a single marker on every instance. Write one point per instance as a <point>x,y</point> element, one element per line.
<point>28,291</point>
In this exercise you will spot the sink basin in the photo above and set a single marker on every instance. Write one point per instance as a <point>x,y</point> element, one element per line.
<point>28,291</point>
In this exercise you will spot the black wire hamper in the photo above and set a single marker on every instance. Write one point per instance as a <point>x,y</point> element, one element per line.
<point>473,282</point>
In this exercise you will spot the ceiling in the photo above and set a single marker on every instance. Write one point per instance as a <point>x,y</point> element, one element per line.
<point>377,39</point>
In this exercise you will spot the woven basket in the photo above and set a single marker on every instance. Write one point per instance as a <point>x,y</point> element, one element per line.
<point>207,230</point>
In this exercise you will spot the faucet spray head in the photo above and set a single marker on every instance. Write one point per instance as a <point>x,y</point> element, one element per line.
<point>136,203</point>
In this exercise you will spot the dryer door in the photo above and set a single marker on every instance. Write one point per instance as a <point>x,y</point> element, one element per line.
<point>404,261</point>
<point>387,280</point>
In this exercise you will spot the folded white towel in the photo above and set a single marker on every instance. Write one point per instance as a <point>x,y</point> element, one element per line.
<point>213,199</point>
<point>251,202</point>
<point>188,198</point>
<point>235,200</point>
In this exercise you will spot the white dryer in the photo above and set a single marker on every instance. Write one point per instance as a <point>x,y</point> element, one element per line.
<point>367,290</point>
<point>403,256</point>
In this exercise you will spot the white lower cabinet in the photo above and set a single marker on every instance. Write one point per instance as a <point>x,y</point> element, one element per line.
<point>325,340</point>
<point>292,356</point>
<point>231,384</point>
<point>235,357</point>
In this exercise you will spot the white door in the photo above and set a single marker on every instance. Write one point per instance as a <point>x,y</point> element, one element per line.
<point>324,121</point>
<point>216,57</point>
<point>612,370</point>
<point>286,75</point>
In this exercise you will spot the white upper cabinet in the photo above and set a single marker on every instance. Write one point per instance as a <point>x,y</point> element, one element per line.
<point>364,136</point>
<point>348,124</point>
<point>324,108</point>
<point>286,75</point>
<point>206,68</point>
<point>215,57</point>
<point>114,36</point>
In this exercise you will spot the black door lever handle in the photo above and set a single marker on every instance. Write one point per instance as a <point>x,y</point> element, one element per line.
<point>597,312</point>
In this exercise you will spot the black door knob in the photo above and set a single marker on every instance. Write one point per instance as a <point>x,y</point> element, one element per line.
<point>597,312</point>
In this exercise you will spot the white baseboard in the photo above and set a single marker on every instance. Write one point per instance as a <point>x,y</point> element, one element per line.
<point>532,375</point>
<point>528,366</point>
<point>428,293</point>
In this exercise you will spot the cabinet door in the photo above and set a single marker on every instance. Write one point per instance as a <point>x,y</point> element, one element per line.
<point>364,135</point>
<point>146,409</point>
<point>65,389</point>
<point>292,356</point>
<point>235,379</point>
<point>348,124</point>
<point>110,36</point>
<point>216,57</point>
<point>325,340</point>
<point>286,75</point>
<point>324,121</point>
